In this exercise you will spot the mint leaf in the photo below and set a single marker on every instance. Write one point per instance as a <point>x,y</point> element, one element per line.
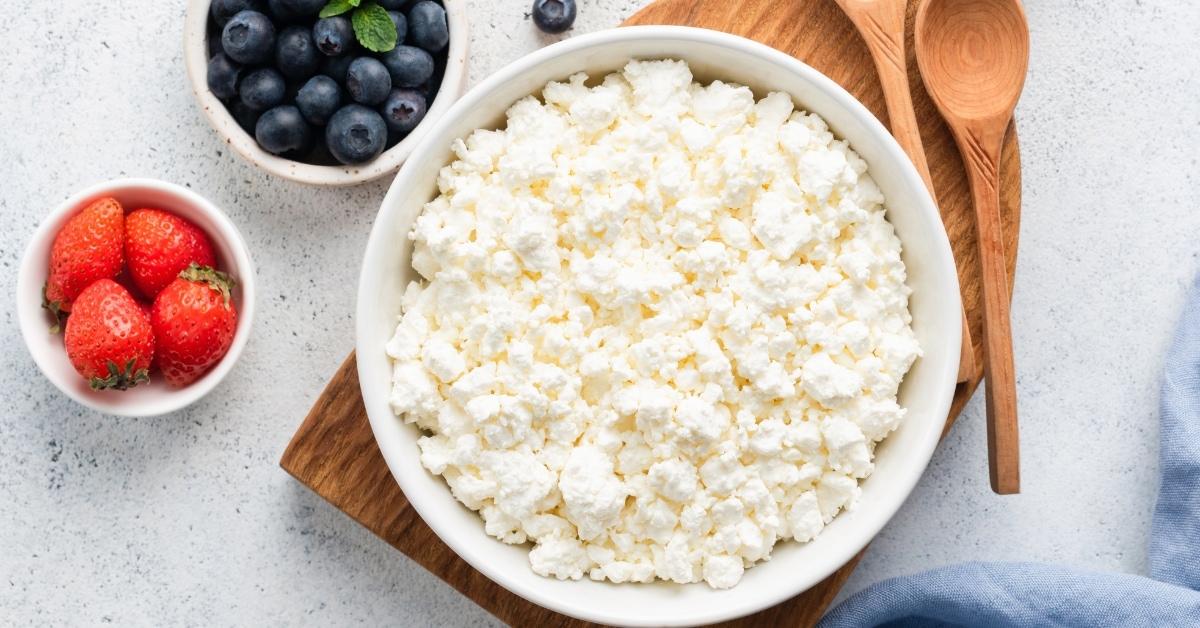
<point>338,7</point>
<point>374,27</point>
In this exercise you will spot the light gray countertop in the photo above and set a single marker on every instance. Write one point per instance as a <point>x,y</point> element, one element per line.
<point>187,519</point>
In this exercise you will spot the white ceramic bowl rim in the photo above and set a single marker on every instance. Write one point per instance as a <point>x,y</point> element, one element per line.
<point>47,350</point>
<point>769,583</point>
<point>195,57</point>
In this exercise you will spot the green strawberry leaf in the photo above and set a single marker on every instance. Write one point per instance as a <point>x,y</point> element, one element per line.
<point>338,7</point>
<point>213,278</point>
<point>121,379</point>
<point>374,27</point>
<point>56,310</point>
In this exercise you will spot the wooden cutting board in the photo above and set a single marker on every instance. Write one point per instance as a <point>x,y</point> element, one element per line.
<point>334,451</point>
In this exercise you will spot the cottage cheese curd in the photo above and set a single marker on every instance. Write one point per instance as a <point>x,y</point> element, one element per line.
<point>663,328</point>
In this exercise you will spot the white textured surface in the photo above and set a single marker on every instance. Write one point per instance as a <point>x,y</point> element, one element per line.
<point>187,518</point>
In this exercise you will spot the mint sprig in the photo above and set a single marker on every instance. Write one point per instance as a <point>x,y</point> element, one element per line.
<point>373,27</point>
<point>338,7</point>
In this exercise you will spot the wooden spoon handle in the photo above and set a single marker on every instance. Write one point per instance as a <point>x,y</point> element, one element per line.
<point>894,78</point>
<point>901,114</point>
<point>1000,378</point>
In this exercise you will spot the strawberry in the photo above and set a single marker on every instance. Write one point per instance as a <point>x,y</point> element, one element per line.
<point>194,320</point>
<point>159,245</point>
<point>108,338</point>
<point>91,246</point>
<point>146,307</point>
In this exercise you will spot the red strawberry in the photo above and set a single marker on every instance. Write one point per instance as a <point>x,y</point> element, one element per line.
<point>89,247</point>
<point>109,339</point>
<point>159,245</point>
<point>194,320</point>
<point>146,307</point>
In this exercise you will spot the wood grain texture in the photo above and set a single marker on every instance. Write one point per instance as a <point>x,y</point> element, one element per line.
<point>973,55</point>
<point>334,451</point>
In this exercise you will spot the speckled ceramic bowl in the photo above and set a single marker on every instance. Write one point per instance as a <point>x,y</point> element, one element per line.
<point>156,397</point>
<point>926,392</point>
<point>195,56</point>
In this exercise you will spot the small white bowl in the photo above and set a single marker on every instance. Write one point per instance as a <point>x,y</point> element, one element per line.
<point>195,57</point>
<point>156,397</point>
<point>926,392</point>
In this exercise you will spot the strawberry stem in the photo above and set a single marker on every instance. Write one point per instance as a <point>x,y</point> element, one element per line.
<point>215,279</point>
<point>121,379</point>
<point>56,310</point>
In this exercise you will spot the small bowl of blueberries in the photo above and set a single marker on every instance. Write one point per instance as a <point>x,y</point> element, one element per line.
<point>325,92</point>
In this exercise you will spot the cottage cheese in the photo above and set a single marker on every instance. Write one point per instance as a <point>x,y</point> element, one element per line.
<point>663,328</point>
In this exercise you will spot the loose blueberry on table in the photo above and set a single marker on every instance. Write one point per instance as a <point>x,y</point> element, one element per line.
<point>554,16</point>
<point>327,81</point>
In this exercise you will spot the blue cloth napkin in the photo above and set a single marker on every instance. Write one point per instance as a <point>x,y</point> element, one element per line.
<point>1023,594</point>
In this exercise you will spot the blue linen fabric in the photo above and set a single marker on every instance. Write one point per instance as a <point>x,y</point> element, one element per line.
<point>1025,594</point>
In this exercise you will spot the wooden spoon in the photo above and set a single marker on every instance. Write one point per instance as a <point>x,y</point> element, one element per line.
<point>973,55</point>
<point>881,23</point>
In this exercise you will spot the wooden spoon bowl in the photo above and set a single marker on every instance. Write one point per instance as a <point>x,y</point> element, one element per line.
<point>974,55</point>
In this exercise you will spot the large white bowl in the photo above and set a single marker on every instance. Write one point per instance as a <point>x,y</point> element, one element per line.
<point>926,391</point>
<point>156,397</point>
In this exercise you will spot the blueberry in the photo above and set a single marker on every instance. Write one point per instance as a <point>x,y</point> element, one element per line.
<point>282,129</point>
<point>262,89</point>
<point>336,67</point>
<point>245,116</point>
<point>334,35</point>
<point>223,75</point>
<point>296,55</point>
<point>409,66</point>
<point>279,13</point>
<point>294,11</point>
<point>368,81</point>
<point>401,24</point>
<point>427,25</point>
<point>222,10</point>
<point>298,8</point>
<point>319,99</point>
<point>392,5</point>
<point>403,110</point>
<point>553,16</point>
<point>356,134</point>
<point>249,37</point>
